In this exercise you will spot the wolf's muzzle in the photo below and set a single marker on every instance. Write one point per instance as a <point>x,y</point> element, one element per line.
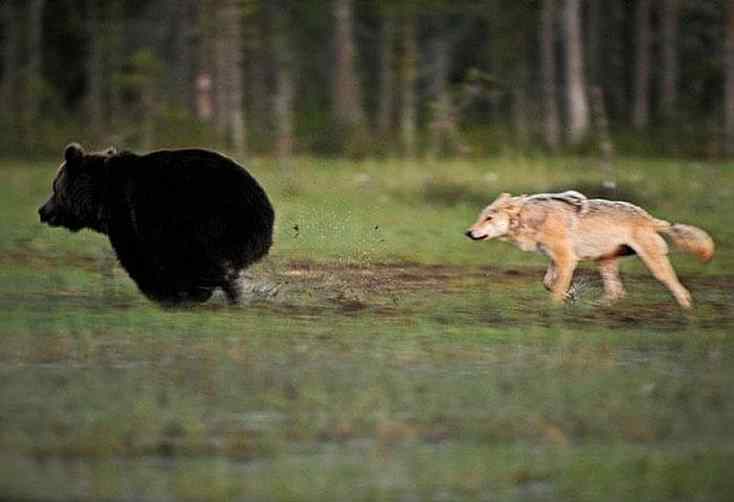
<point>469,234</point>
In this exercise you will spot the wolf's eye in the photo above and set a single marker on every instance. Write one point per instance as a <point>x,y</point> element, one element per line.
<point>488,218</point>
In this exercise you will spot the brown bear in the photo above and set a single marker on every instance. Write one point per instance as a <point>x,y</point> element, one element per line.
<point>182,222</point>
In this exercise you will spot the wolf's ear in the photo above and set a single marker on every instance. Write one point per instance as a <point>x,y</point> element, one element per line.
<point>503,197</point>
<point>514,205</point>
<point>73,153</point>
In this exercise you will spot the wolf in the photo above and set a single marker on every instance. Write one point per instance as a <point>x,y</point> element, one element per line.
<point>568,227</point>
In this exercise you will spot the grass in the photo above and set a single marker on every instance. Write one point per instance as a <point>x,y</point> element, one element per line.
<point>381,355</point>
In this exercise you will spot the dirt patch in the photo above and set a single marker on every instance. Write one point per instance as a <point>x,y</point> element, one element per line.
<point>311,289</point>
<point>401,277</point>
<point>446,294</point>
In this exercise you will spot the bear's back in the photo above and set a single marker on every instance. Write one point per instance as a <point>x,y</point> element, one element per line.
<point>191,182</point>
<point>187,208</point>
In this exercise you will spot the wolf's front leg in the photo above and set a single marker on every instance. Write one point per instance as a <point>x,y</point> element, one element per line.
<point>550,276</point>
<point>565,264</point>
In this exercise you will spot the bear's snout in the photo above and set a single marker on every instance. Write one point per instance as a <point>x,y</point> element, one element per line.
<point>46,214</point>
<point>43,214</point>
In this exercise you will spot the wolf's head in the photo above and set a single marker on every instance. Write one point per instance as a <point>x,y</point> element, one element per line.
<point>494,221</point>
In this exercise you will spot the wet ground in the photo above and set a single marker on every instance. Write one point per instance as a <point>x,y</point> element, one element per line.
<point>484,294</point>
<point>378,355</point>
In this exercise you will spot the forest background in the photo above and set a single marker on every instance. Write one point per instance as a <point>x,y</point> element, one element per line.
<point>371,77</point>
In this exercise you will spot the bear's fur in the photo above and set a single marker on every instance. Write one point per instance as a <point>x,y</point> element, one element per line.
<point>182,222</point>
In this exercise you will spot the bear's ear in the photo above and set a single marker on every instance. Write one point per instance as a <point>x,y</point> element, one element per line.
<point>73,153</point>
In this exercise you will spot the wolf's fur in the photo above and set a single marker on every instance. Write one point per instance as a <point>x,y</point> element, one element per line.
<point>568,227</point>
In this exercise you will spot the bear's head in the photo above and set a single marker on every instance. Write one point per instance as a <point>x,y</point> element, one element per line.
<point>76,200</point>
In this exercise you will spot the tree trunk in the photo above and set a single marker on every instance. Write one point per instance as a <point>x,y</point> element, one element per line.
<point>95,69</point>
<point>520,114</point>
<point>729,81</point>
<point>116,51</point>
<point>551,122</point>
<point>519,94</point>
<point>257,62</point>
<point>183,66</point>
<point>34,69</point>
<point>641,111</point>
<point>221,62</point>
<point>229,79</point>
<point>284,85</point>
<point>441,125</point>
<point>604,140</point>
<point>386,104</point>
<point>494,65</point>
<point>348,110</point>
<point>235,80</point>
<point>616,85</point>
<point>207,83</point>
<point>595,34</point>
<point>577,101</point>
<point>408,78</point>
<point>669,56</point>
<point>11,61</point>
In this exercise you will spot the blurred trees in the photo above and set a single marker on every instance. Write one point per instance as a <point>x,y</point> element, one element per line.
<point>33,81</point>
<point>11,64</point>
<point>349,116</point>
<point>386,74</point>
<point>640,113</point>
<point>437,77</point>
<point>669,22</point>
<point>551,123</point>
<point>729,84</point>
<point>408,78</point>
<point>228,71</point>
<point>576,93</point>
<point>285,85</point>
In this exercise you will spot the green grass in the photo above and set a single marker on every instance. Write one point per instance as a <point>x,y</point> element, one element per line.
<point>398,360</point>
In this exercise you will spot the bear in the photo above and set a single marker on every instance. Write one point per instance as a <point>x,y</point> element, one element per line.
<point>182,222</point>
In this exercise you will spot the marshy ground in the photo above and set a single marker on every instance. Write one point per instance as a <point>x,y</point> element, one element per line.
<point>380,355</point>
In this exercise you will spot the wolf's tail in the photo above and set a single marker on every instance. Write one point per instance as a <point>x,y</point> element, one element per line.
<point>688,238</point>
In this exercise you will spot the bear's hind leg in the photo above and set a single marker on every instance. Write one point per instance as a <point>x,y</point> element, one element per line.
<point>233,290</point>
<point>200,294</point>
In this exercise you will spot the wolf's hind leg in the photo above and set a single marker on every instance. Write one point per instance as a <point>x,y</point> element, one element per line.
<point>652,250</point>
<point>613,288</point>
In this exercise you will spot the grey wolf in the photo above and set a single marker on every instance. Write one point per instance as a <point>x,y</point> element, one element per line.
<point>568,227</point>
<point>182,222</point>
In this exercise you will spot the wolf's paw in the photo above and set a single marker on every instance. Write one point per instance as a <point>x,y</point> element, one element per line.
<point>611,297</point>
<point>684,299</point>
